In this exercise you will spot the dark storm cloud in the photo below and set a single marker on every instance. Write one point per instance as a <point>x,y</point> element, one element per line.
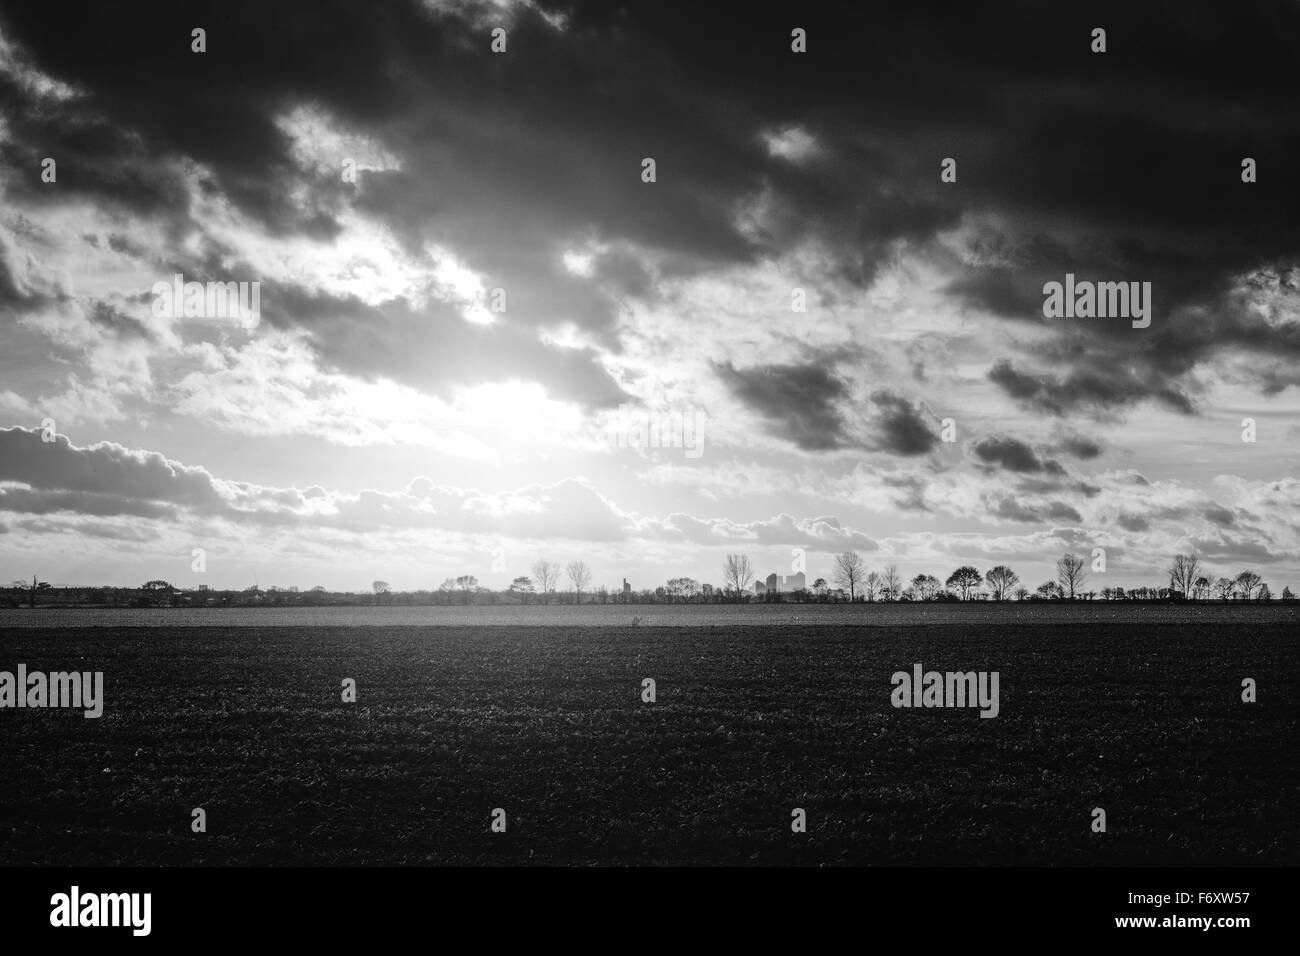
<point>121,145</point>
<point>1133,522</point>
<point>1013,509</point>
<point>60,472</point>
<point>799,402</point>
<point>900,427</point>
<point>911,491</point>
<point>432,347</point>
<point>1080,446</point>
<point>116,321</point>
<point>124,246</point>
<point>1053,483</point>
<point>1013,455</point>
<point>1097,389</point>
<point>95,159</point>
<point>1059,509</point>
<point>805,405</point>
<point>1220,516</point>
<point>1123,166</point>
<point>1236,552</point>
<point>30,501</point>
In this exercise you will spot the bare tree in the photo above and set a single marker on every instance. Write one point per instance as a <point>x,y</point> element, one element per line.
<point>580,576</point>
<point>547,576</point>
<point>849,572</point>
<point>1248,582</point>
<point>1001,579</point>
<point>1183,573</point>
<point>737,574</point>
<point>892,586</point>
<point>871,585</point>
<point>1224,588</point>
<point>1070,574</point>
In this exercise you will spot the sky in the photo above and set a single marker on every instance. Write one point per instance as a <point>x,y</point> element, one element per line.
<point>469,293</point>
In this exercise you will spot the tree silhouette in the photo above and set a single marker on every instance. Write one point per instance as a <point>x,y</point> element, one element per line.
<point>682,588</point>
<point>849,572</point>
<point>925,586</point>
<point>1183,573</point>
<point>737,574</point>
<point>467,584</point>
<point>964,579</point>
<point>891,585</point>
<point>1050,591</point>
<point>548,576</point>
<point>1001,580</point>
<point>580,576</point>
<point>1248,582</point>
<point>1070,574</point>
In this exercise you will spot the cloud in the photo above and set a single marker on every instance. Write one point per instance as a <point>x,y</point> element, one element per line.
<point>799,402</point>
<point>119,323</point>
<point>1094,390</point>
<point>1013,455</point>
<point>1080,446</point>
<point>1219,515</point>
<point>1014,509</point>
<point>900,427</point>
<point>1130,522</point>
<point>824,533</point>
<point>103,469</point>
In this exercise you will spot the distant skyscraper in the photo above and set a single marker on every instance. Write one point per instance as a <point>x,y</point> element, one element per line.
<point>775,584</point>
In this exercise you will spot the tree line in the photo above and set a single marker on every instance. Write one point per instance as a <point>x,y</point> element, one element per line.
<point>851,581</point>
<point>1188,581</point>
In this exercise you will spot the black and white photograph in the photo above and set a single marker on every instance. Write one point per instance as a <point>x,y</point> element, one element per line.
<point>571,435</point>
